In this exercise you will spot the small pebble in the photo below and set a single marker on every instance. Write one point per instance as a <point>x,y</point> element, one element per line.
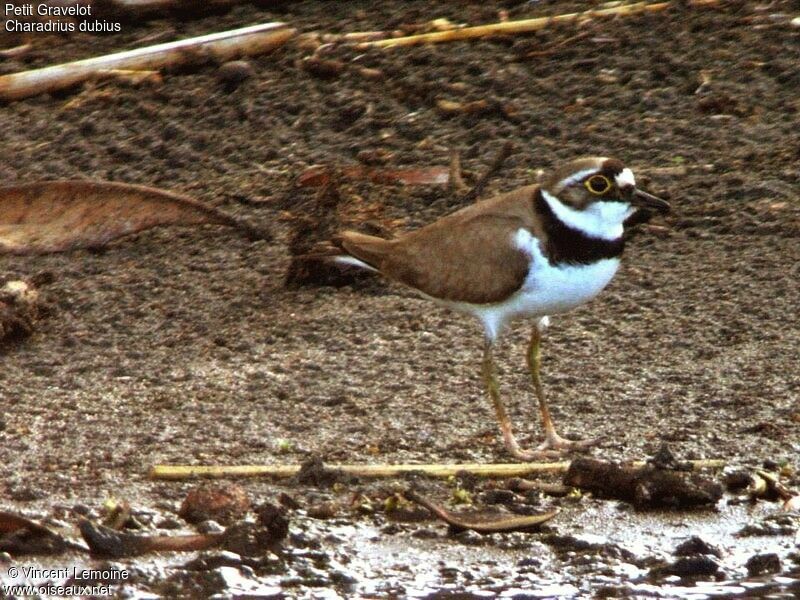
<point>763,563</point>
<point>210,527</point>
<point>693,566</point>
<point>169,523</point>
<point>694,546</point>
<point>235,72</point>
<point>224,503</point>
<point>81,510</point>
<point>323,510</point>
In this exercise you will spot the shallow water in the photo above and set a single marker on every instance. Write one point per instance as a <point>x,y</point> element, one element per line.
<point>594,547</point>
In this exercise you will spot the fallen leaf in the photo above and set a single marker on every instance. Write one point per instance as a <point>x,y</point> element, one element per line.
<point>56,216</point>
<point>481,523</point>
<point>21,536</point>
<point>10,523</point>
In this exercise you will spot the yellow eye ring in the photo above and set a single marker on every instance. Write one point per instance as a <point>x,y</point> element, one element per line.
<point>598,184</point>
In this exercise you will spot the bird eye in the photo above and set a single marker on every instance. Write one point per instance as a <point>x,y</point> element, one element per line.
<point>598,184</point>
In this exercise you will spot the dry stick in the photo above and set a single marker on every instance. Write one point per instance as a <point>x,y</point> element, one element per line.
<point>246,41</point>
<point>477,190</point>
<point>457,185</point>
<point>179,472</point>
<point>525,25</point>
<point>355,36</point>
<point>550,49</point>
<point>16,51</point>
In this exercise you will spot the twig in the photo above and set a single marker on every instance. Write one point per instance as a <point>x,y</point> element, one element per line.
<point>355,36</point>
<point>450,107</point>
<point>513,27</point>
<point>525,25</point>
<point>16,51</point>
<point>224,45</point>
<point>552,48</point>
<point>506,151</point>
<point>180,472</point>
<point>677,170</point>
<point>457,185</point>
<point>551,489</point>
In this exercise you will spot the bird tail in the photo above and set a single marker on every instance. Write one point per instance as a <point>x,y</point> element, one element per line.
<point>360,249</point>
<point>353,249</point>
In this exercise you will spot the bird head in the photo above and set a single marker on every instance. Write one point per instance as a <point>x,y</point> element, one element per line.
<point>597,195</point>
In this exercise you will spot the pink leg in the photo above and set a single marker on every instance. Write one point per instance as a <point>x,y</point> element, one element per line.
<point>553,441</point>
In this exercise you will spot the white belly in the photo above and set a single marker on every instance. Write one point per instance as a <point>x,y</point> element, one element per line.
<point>552,289</point>
<point>548,289</point>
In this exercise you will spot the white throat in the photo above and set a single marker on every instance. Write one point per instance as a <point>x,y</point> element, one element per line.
<point>601,220</point>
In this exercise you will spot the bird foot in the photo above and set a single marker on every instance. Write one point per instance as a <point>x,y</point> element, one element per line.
<point>512,447</point>
<point>556,443</point>
<point>534,455</point>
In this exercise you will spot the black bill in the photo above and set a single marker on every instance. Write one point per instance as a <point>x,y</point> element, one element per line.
<point>644,200</point>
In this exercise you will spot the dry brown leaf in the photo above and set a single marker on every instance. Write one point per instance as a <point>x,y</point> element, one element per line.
<point>482,523</point>
<point>55,216</point>
<point>20,536</point>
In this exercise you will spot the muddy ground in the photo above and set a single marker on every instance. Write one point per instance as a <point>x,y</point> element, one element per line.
<point>184,345</point>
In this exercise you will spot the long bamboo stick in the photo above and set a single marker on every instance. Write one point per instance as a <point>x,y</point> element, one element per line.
<point>525,25</point>
<point>224,45</point>
<point>179,472</point>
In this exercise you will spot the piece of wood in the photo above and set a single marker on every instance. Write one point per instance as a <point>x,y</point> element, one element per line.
<point>222,46</point>
<point>179,472</point>
<point>106,542</point>
<point>525,25</point>
<point>647,486</point>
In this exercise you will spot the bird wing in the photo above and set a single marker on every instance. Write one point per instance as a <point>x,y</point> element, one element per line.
<point>466,257</point>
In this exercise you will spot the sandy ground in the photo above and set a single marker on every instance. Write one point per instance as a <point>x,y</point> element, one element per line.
<point>184,346</point>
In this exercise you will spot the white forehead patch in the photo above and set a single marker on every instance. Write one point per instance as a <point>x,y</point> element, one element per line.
<point>625,178</point>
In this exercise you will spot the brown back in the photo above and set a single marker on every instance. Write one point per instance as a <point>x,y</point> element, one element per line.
<point>468,256</point>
